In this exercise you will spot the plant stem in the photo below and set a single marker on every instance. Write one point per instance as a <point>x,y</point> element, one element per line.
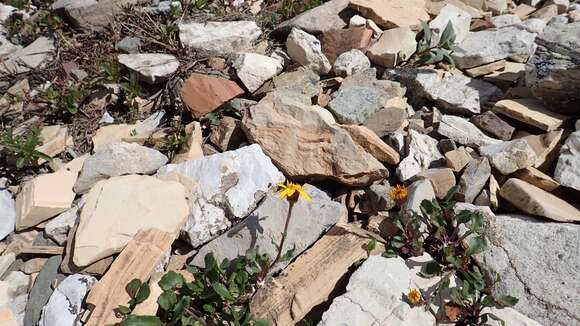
<point>281,245</point>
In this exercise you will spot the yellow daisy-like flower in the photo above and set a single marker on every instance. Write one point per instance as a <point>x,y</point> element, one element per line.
<point>414,296</point>
<point>399,193</point>
<point>292,191</point>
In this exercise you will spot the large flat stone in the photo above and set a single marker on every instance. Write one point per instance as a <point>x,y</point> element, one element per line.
<point>117,208</point>
<point>536,262</point>
<point>262,228</point>
<point>535,201</point>
<point>531,112</point>
<point>152,68</point>
<point>392,13</point>
<point>203,93</point>
<point>464,132</point>
<point>34,56</point>
<point>510,156</point>
<point>219,38</point>
<point>228,185</point>
<point>296,137</point>
<point>320,19</point>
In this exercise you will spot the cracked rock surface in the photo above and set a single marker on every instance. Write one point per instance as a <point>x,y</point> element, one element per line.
<point>538,264</point>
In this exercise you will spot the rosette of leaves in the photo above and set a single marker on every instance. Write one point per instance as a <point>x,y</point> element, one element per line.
<point>23,147</point>
<point>441,52</point>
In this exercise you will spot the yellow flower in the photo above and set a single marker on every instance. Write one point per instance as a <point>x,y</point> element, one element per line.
<point>399,193</point>
<point>414,296</point>
<point>292,191</point>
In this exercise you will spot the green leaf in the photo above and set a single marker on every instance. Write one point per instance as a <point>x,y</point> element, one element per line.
<point>132,287</point>
<point>180,307</point>
<point>143,293</point>
<point>210,262</point>
<point>261,322</point>
<point>167,300</point>
<point>171,280</point>
<point>448,36</point>
<point>494,317</point>
<point>133,320</point>
<point>372,245</point>
<point>209,308</point>
<point>431,269</point>
<point>427,35</point>
<point>507,300</point>
<point>123,310</point>
<point>475,246</point>
<point>222,291</point>
<point>20,162</point>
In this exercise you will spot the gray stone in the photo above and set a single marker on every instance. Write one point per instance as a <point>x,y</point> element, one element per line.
<point>219,38</point>
<point>567,172</point>
<point>493,124</point>
<point>230,185</point>
<point>558,20</point>
<point>377,198</point>
<point>303,81</point>
<point>464,132</point>
<point>356,104</point>
<point>163,7</point>
<point>58,228</point>
<point>306,50</point>
<point>34,56</point>
<point>386,121</point>
<point>129,44</point>
<point>65,306</point>
<point>418,191</point>
<point>490,45</point>
<point>152,68</point>
<point>148,126</point>
<point>374,296</point>
<point>351,62</point>
<point>553,73</point>
<point>538,265</point>
<point>7,213</point>
<point>506,20</point>
<point>508,157</point>
<point>91,14</point>
<point>473,179</point>
<point>254,69</point>
<point>42,290</point>
<point>320,19</point>
<point>263,227</point>
<point>534,25</point>
<point>422,152</point>
<point>450,93</point>
<point>14,296</point>
<point>118,159</point>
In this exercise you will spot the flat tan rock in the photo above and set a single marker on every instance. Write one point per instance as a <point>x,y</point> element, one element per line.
<point>373,144</point>
<point>535,201</point>
<point>203,93</point>
<point>312,277</point>
<point>442,179</point>
<point>486,69</point>
<point>47,195</point>
<point>392,13</point>
<point>117,208</point>
<point>394,46</point>
<point>55,139</point>
<point>537,178</point>
<point>138,260</point>
<point>110,134</point>
<point>547,147</point>
<point>532,112</point>
<point>192,150</point>
<point>457,159</point>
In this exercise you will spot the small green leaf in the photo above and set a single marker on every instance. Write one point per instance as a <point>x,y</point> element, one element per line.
<point>132,287</point>
<point>123,310</point>
<point>431,269</point>
<point>507,300</point>
<point>494,317</point>
<point>261,322</point>
<point>208,308</point>
<point>143,293</point>
<point>133,320</point>
<point>222,291</point>
<point>448,36</point>
<point>475,246</point>
<point>171,280</point>
<point>372,245</point>
<point>167,300</point>
<point>427,35</point>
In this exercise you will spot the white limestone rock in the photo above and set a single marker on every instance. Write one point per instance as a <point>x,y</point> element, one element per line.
<point>65,306</point>
<point>464,132</point>
<point>567,171</point>
<point>510,156</point>
<point>422,151</point>
<point>152,68</point>
<point>351,62</point>
<point>307,51</point>
<point>254,69</point>
<point>460,20</point>
<point>219,38</point>
<point>7,213</point>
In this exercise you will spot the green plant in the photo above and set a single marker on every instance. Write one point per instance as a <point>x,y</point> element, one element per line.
<point>441,52</point>
<point>131,86</point>
<point>175,140</point>
<point>71,100</point>
<point>111,71</point>
<point>219,294</point>
<point>200,4</point>
<point>23,147</point>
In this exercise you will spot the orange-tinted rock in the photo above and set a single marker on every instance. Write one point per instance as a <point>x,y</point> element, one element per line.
<point>338,41</point>
<point>203,94</point>
<point>392,13</point>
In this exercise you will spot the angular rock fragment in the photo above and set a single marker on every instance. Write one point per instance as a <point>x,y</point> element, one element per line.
<point>422,152</point>
<point>303,145</point>
<point>530,111</point>
<point>306,50</point>
<point>42,290</point>
<point>387,120</point>
<point>335,42</point>
<point>118,159</point>
<point>368,140</point>
<point>419,191</point>
<point>323,18</point>
<point>254,69</point>
<point>457,159</point>
<point>13,298</point>
<point>538,275</point>
<point>65,304</point>
<point>508,157</point>
<point>219,38</point>
<point>451,93</point>
<point>537,178</point>
<point>7,213</point>
<point>490,45</point>
<point>547,148</point>
<point>473,179</point>
<point>394,46</point>
<point>261,228</point>
<point>493,124</point>
<point>351,62</point>
<point>459,19</point>
<point>464,132</point>
<point>203,94</point>
<point>152,68</point>
<point>392,13</point>
<point>567,171</point>
<point>33,56</point>
<point>535,201</point>
<point>117,208</point>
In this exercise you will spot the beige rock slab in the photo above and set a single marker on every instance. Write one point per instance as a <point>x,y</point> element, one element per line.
<point>367,139</point>
<point>532,112</point>
<point>486,69</point>
<point>457,159</point>
<point>112,133</point>
<point>67,266</point>
<point>474,9</point>
<point>537,178</point>
<point>311,279</point>
<point>117,208</point>
<point>523,10</point>
<point>392,13</point>
<point>55,139</point>
<point>535,201</point>
<point>442,179</point>
<point>547,147</point>
<point>138,260</point>
<point>192,150</point>
<point>47,195</point>
<point>394,46</point>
